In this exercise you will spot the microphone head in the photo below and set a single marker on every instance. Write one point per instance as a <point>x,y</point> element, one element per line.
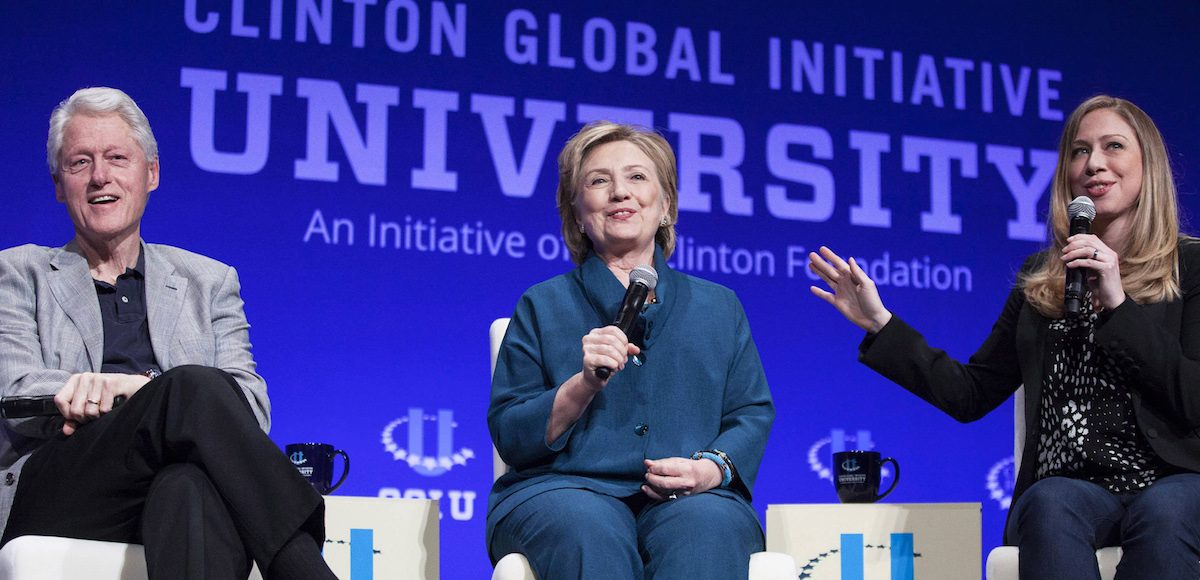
<point>1081,207</point>
<point>646,276</point>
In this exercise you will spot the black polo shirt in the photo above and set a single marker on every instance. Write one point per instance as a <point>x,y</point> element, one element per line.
<point>127,346</point>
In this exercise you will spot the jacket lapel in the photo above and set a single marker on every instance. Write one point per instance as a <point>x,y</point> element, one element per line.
<point>672,291</point>
<point>601,287</point>
<point>73,289</point>
<point>605,294</point>
<point>164,301</point>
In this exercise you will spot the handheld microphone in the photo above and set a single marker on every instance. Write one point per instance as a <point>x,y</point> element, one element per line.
<point>642,280</point>
<point>35,406</point>
<point>1081,211</point>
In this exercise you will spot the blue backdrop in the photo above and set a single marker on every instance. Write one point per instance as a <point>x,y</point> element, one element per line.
<point>381,173</point>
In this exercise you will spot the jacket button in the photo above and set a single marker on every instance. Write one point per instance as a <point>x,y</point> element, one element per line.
<point>1152,433</point>
<point>641,429</point>
<point>10,478</point>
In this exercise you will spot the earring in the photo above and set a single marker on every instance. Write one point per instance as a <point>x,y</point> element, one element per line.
<point>581,228</point>
<point>663,223</point>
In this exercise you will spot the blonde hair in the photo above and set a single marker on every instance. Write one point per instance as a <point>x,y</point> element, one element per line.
<point>570,175</point>
<point>1150,264</point>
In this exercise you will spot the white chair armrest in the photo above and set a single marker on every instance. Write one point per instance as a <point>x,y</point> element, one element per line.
<point>772,566</point>
<point>513,567</point>
<point>1002,563</point>
<point>763,566</point>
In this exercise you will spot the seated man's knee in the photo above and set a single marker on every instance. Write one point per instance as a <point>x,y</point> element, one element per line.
<point>181,480</point>
<point>190,381</point>
<point>196,375</point>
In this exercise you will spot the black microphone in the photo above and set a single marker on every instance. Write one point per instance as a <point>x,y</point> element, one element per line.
<point>1081,211</point>
<point>35,406</point>
<point>642,280</point>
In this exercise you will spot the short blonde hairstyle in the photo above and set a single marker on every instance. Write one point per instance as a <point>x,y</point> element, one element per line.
<point>1150,264</point>
<point>570,176</point>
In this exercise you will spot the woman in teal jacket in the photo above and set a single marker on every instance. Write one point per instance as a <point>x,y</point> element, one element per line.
<point>647,473</point>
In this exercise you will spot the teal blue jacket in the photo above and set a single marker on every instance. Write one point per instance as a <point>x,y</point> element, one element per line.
<point>700,386</point>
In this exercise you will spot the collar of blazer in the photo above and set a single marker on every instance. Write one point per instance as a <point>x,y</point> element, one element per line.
<point>73,289</point>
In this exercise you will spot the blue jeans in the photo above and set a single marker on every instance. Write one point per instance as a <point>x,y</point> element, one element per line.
<point>577,533</point>
<point>1059,522</point>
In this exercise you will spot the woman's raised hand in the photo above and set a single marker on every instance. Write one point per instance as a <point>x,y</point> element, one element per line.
<point>853,292</point>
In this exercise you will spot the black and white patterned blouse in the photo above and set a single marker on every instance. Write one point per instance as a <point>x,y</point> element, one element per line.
<point>1088,427</point>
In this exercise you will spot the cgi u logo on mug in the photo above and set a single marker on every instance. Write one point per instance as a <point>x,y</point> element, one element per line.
<point>314,462</point>
<point>301,463</point>
<point>857,475</point>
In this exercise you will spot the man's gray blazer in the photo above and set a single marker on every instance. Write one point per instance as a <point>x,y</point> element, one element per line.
<point>50,328</point>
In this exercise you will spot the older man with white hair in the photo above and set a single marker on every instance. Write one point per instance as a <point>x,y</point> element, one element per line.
<point>160,434</point>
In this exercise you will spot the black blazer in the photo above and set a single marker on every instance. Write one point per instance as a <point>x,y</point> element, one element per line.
<point>1159,343</point>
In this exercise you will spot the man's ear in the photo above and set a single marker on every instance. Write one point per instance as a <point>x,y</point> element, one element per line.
<point>152,181</point>
<point>58,188</point>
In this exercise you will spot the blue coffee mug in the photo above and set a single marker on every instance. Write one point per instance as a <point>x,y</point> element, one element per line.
<point>314,461</point>
<point>856,475</point>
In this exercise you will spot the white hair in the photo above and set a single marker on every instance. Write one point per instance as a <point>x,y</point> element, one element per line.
<point>99,101</point>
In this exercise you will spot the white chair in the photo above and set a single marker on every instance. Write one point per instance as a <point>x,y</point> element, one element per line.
<point>1002,562</point>
<point>763,565</point>
<point>408,527</point>
<point>406,530</point>
<point>55,558</point>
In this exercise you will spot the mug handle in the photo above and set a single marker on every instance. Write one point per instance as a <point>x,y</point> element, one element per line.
<point>346,469</point>
<point>895,477</point>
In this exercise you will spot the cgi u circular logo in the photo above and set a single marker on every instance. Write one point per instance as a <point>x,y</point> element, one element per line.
<point>298,458</point>
<point>414,453</point>
<point>1001,480</point>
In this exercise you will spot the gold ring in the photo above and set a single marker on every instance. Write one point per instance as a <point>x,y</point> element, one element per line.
<point>97,403</point>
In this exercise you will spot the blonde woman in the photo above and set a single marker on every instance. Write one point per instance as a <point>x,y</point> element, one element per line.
<point>1113,394</point>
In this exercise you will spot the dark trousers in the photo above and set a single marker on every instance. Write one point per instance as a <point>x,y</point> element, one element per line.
<point>184,469</point>
<point>580,534</point>
<point>1059,522</point>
